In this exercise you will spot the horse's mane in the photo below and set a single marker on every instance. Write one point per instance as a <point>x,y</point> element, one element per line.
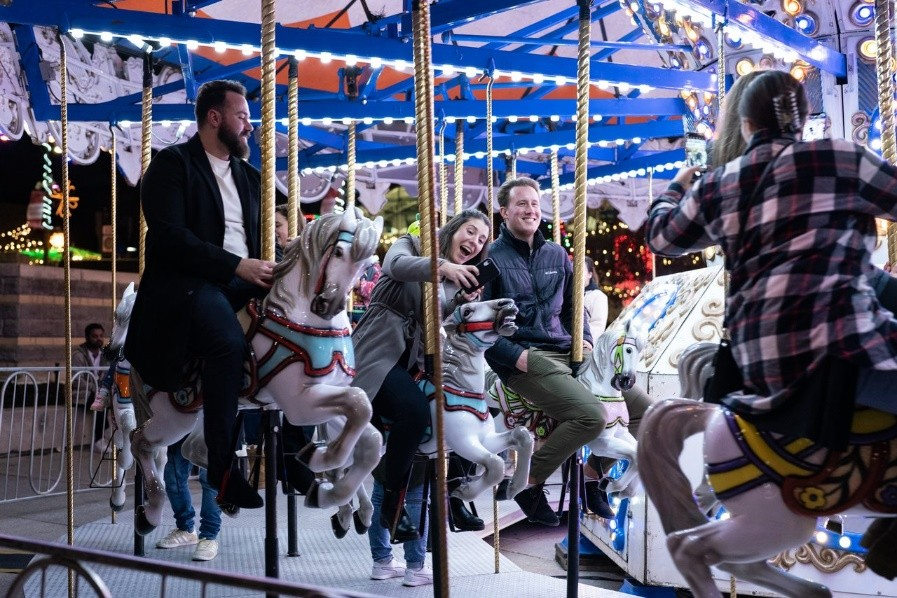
<point>695,367</point>
<point>309,247</point>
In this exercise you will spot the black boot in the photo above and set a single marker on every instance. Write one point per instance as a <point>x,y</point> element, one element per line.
<point>235,491</point>
<point>462,518</point>
<point>596,500</point>
<point>394,517</point>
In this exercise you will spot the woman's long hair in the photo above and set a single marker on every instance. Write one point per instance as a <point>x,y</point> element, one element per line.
<point>729,143</point>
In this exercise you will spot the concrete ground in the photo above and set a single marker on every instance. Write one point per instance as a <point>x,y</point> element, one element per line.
<point>531,547</point>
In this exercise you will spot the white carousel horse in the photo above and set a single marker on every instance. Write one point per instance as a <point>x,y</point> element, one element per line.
<point>773,488</point>
<point>610,370</point>
<point>116,387</point>
<point>468,426</point>
<point>302,362</point>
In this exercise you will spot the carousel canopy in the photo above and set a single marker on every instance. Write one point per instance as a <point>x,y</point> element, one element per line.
<point>655,74</point>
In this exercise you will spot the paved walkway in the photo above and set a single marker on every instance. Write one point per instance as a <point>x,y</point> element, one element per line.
<point>527,562</point>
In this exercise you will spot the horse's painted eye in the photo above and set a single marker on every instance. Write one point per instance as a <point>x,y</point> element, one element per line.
<point>337,251</point>
<point>466,312</point>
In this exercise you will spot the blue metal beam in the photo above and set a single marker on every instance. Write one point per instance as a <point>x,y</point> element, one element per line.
<point>31,66</point>
<point>507,143</point>
<point>646,162</point>
<point>554,41</point>
<point>358,110</point>
<point>60,14</point>
<point>564,15</point>
<point>624,44</point>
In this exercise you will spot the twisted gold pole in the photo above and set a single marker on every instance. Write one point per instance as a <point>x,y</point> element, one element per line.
<point>67,284</point>
<point>294,220</point>
<point>423,109</point>
<point>490,175</point>
<point>883,60</point>
<point>146,148</point>
<point>581,166</point>
<point>720,67</point>
<point>113,211</point>
<point>350,166</point>
<point>555,198</point>
<point>269,149</point>
<point>459,166</point>
<point>443,181</point>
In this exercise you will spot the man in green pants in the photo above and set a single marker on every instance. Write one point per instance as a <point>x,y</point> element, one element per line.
<point>535,361</point>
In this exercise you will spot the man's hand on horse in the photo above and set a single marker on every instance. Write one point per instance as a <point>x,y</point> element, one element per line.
<point>258,272</point>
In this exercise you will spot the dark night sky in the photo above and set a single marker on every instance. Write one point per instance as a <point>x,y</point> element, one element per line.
<point>20,169</point>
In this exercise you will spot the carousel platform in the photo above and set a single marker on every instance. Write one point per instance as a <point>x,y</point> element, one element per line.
<point>324,560</point>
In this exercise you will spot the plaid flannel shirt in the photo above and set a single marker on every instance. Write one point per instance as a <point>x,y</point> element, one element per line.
<point>798,258</point>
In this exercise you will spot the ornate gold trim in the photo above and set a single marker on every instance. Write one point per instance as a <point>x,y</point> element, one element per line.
<point>827,560</point>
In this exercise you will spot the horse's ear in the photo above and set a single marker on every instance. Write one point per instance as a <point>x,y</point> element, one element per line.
<point>378,225</point>
<point>129,290</point>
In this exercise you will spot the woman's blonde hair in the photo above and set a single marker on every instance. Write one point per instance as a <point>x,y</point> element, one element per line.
<point>729,143</point>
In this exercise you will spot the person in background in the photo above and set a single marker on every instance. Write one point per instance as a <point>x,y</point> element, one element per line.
<point>177,474</point>
<point>90,354</point>
<point>202,203</point>
<point>594,301</point>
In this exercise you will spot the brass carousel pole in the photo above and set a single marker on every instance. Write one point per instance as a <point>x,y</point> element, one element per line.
<point>268,97</point>
<point>884,58</point>
<point>423,110</point>
<point>67,288</point>
<point>443,181</point>
<point>490,174</point>
<point>579,251</point>
<point>350,166</point>
<point>113,209</point>
<point>146,148</point>
<point>294,219</point>
<point>459,166</point>
<point>555,198</point>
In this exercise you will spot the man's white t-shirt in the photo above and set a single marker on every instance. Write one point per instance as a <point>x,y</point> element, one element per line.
<point>234,233</point>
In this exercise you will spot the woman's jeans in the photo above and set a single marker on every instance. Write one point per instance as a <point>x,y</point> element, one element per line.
<point>378,536</point>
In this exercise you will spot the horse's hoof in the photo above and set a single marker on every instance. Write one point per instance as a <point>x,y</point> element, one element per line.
<point>338,530</point>
<point>229,509</point>
<point>360,527</point>
<point>116,508</point>
<point>312,498</point>
<point>501,491</point>
<point>141,524</point>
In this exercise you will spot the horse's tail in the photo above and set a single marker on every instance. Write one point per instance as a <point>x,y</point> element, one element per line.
<point>662,434</point>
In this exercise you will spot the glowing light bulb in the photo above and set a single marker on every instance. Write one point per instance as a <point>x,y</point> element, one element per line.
<point>326,57</point>
<point>219,47</point>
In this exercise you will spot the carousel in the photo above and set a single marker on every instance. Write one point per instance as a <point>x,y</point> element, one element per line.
<point>392,117</point>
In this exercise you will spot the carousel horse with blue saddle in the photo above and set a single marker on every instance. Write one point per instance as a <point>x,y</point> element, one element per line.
<point>772,486</point>
<point>302,362</point>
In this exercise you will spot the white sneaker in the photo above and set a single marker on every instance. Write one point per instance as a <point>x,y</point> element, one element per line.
<point>387,570</point>
<point>206,550</point>
<point>418,577</point>
<point>178,537</point>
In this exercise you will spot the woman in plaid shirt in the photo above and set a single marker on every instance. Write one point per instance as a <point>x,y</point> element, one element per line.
<point>802,290</point>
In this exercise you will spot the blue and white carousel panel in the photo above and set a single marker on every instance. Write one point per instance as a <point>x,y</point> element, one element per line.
<point>675,312</point>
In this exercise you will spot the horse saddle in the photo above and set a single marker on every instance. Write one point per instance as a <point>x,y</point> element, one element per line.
<point>815,481</point>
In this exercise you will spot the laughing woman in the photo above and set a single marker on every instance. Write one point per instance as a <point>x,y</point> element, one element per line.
<point>389,348</point>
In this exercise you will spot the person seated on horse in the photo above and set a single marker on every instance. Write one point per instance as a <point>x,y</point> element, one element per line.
<point>389,346</point>
<point>802,295</point>
<point>202,265</point>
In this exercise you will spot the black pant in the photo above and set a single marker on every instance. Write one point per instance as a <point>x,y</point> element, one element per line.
<point>405,408</point>
<point>216,338</point>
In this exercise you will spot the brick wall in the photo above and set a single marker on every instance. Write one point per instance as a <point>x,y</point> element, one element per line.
<point>32,310</point>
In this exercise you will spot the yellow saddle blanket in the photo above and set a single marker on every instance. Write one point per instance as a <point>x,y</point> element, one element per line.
<point>831,482</point>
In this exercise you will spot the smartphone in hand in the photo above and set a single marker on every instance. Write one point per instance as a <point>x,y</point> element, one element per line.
<point>488,272</point>
<point>696,152</point>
